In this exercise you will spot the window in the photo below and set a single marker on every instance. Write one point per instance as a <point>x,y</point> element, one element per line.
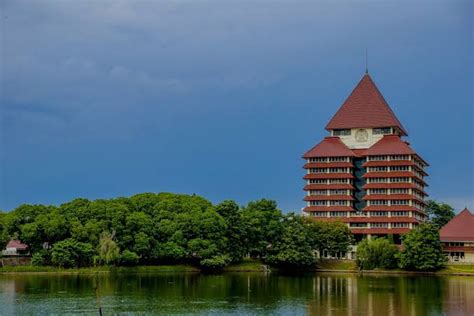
<point>377,158</point>
<point>333,181</point>
<point>398,180</point>
<point>338,203</point>
<point>337,170</point>
<point>338,192</point>
<point>337,159</point>
<point>379,225</point>
<point>317,170</point>
<point>358,225</point>
<point>378,214</point>
<point>399,202</point>
<point>377,169</point>
<point>317,203</point>
<point>378,191</point>
<point>378,180</point>
<point>341,132</point>
<point>379,202</point>
<point>400,157</point>
<point>319,214</point>
<point>399,225</point>
<point>399,168</point>
<point>399,214</point>
<point>317,159</point>
<point>317,181</point>
<point>381,131</point>
<point>399,191</point>
<point>317,192</point>
<point>338,214</point>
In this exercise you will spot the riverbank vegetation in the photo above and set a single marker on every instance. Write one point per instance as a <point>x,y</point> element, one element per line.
<point>420,251</point>
<point>165,228</point>
<point>174,229</point>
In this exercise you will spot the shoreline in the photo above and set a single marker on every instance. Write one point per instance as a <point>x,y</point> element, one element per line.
<point>255,267</point>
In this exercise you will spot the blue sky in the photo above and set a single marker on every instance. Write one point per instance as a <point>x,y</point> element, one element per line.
<point>111,98</point>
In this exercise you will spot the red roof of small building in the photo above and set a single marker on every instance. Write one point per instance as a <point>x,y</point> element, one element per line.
<point>329,147</point>
<point>460,228</point>
<point>365,107</point>
<point>16,244</point>
<point>390,145</point>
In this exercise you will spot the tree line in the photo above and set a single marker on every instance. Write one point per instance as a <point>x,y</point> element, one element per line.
<point>167,228</point>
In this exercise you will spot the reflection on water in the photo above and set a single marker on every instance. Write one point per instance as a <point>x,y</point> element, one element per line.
<point>240,293</point>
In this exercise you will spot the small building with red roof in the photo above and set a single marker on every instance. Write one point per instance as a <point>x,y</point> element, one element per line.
<point>15,248</point>
<point>457,237</point>
<point>365,173</point>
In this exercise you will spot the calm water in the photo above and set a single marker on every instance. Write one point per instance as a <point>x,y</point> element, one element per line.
<point>240,293</point>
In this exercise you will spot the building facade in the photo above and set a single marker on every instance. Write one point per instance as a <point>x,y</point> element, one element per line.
<point>364,173</point>
<point>457,237</point>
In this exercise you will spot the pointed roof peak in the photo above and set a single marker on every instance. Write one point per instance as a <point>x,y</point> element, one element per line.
<point>365,107</point>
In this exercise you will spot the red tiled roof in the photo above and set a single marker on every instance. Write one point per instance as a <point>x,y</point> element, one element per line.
<point>390,145</point>
<point>328,165</point>
<point>16,244</point>
<point>328,198</point>
<point>460,228</point>
<point>362,152</point>
<point>365,107</point>
<point>337,186</point>
<point>328,176</point>
<point>329,147</point>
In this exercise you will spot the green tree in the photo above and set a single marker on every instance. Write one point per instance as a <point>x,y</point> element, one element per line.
<point>294,247</point>
<point>109,251</point>
<point>439,214</point>
<point>235,232</point>
<point>70,253</point>
<point>128,258</point>
<point>377,253</point>
<point>262,222</point>
<point>422,249</point>
<point>334,237</point>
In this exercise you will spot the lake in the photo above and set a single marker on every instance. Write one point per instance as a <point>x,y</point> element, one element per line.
<point>235,293</point>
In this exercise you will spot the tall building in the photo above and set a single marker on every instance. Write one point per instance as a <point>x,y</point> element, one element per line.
<point>365,174</point>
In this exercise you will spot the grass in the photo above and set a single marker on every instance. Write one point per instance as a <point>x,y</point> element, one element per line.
<point>458,268</point>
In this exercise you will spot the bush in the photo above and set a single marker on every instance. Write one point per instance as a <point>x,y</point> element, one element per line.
<point>70,253</point>
<point>216,262</point>
<point>128,258</point>
<point>377,253</point>
<point>41,258</point>
<point>422,249</point>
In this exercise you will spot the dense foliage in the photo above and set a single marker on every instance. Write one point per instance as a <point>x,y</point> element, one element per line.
<point>422,249</point>
<point>159,228</point>
<point>377,253</point>
<point>439,214</point>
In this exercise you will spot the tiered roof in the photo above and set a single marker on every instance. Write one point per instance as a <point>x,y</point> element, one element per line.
<point>365,107</point>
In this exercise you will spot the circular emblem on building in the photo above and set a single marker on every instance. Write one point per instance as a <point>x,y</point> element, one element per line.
<point>361,135</point>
